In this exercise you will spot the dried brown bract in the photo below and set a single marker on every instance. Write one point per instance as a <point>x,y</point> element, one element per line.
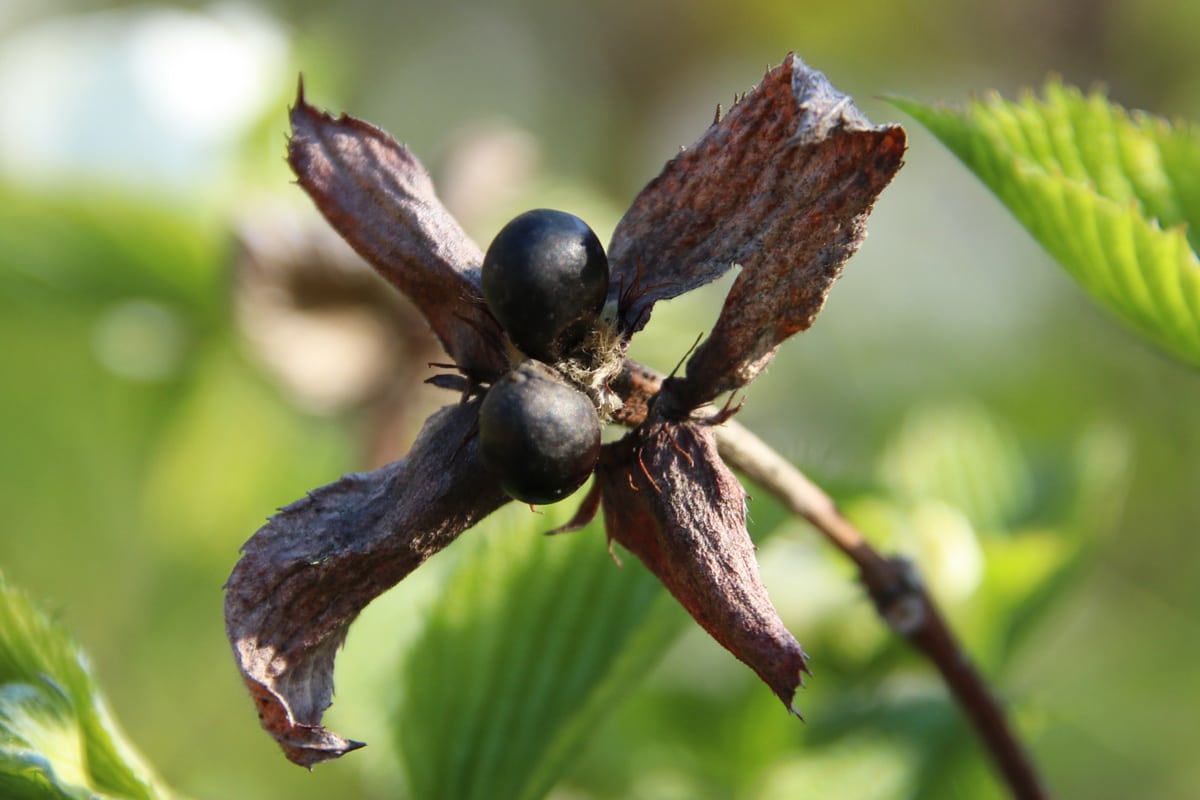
<point>780,186</point>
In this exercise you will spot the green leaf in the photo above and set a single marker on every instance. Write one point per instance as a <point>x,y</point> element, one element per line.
<point>528,647</point>
<point>57,738</point>
<point>1114,196</point>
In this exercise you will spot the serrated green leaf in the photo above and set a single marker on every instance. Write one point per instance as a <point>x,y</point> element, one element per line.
<point>527,648</point>
<point>534,639</point>
<point>57,738</point>
<point>1114,196</point>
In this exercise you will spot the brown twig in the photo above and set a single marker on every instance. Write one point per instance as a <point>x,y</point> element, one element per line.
<point>899,595</point>
<point>893,583</point>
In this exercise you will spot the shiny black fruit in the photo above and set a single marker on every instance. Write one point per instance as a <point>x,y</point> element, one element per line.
<point>538,435</point>
<point>545,279</point>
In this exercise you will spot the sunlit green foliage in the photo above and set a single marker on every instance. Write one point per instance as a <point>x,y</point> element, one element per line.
<point>57,738</point>
<point>1113,196</point>
<point>564,634</point>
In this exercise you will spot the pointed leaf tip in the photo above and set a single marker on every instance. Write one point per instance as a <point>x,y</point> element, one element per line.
<point>305,575</point>
<point>687,524</point>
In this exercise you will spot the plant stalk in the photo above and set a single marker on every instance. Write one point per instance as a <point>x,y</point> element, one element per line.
<point>893,583</point>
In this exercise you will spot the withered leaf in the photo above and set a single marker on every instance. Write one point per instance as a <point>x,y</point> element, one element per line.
<point>780,186</point>
<point>670,500</point>
<point>380,198</point>
<point>306,574</point>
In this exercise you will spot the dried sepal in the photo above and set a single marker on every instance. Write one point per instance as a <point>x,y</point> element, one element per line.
<point>774,299</point>
<point>380,198</point>
<point>779,186</point>
<point>670,500</point>
<point>637,385</point>
<point>306,574</point>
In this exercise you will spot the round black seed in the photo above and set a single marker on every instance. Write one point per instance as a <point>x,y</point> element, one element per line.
<point>545,279</point>
<point>538,435</point>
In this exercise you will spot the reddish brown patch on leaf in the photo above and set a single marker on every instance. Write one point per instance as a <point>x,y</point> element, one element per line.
<point>781,186</point>
<point>637,385</point>
<point>688,525</point>
<point>306,574</point>
<point>380,198</point>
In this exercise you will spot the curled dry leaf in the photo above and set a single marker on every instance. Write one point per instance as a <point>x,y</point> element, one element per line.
<point>780,186</point>
<point>670,500</point>
<point>306,574</point>
<point>380,198</point>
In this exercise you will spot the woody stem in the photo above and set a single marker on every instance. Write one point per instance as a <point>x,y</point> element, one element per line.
<point>893,583</point>
<point>899,595</point>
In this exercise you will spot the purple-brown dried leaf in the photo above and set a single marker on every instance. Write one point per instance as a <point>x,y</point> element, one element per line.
<point>780,186</point>
<point>306,574</point>
<point>670,500</point>
<point>380,198</point>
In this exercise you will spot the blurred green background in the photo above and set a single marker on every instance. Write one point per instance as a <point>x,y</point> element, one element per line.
<point>163,391</point>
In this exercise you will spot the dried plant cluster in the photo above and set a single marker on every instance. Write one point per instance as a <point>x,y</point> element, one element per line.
<point>779,187</point>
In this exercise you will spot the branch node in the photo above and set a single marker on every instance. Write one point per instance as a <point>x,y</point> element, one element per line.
<point>901,601</point>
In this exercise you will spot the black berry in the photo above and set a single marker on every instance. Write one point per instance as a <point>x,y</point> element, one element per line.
<point>545,279</point>
<point>538,435</point>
